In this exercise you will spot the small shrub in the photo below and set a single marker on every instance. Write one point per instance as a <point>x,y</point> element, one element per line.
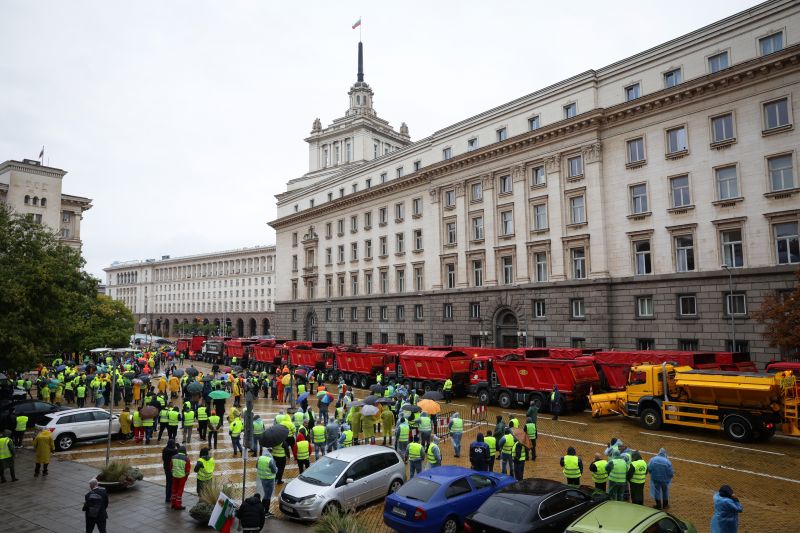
<point>335,521</point>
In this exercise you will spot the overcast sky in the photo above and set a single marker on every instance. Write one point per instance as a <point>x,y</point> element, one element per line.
<point>183,119</point>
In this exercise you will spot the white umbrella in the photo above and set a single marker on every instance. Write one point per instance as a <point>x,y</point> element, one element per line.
<point>98,350</point>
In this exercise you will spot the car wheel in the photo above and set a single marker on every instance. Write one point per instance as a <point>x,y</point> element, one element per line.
<point>395,486</point>
<point>738,429</point>
<point>331,507</point>
<point>65,442</point>
<point>450,525</point>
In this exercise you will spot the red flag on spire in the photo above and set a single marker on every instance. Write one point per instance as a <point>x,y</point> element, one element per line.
<point>357,24</point>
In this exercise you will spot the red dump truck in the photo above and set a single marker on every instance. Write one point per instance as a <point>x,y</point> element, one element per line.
<point>308,356</point>
<point>512,379</point>
<point>425,370</point>
<point>735,362</point>
<point>552,353</point>
<point>269,355</point>
<point>358,367</point>
<point>237,351</point>
<point>191,346</point>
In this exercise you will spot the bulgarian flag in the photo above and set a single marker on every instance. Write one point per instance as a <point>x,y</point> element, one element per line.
<point>357,24</point>
<point>222,516</point>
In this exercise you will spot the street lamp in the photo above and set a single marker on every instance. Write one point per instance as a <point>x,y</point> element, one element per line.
<point>730,306</point>
<point>523,338</point>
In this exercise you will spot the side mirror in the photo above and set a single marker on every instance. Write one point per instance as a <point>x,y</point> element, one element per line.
<point>349,481</point>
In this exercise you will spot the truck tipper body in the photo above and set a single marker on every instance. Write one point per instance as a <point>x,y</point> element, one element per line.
<point>360,368</point>
<point>426,370</point>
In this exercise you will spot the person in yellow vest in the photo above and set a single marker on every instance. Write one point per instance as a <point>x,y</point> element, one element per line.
<point>138,428</point>
<point>572,467</point>
<point>519,453</point>
<point>491,442</point>
<point>318,438</point>
<point>20,427</point>
<point>447,389</point>
<point>163,422</point>
<point>387,424</point>
<point>125,421</point>
<point>506,447</point>
<point>530,430</point>
<point>617,469</point>
<point>173,419</point>
<point>414,455</point>
<point>434,454</point>
<point>202,421</point>
<point>258,430</point>
<point>188,424</point>
<point>180,467</point>
<point>214,425</point>
<point>302,452</point>
<point>147,425</point>
<point>346,439</point>
<point>235,431</point>
<point>279,453</point>
<point>266,469</point>
<point>6,456</point>
<point>80,392</point>
<point>598,470</point>
<point>205,469</point>
<point>44,447</point>
<point>425,429</point>
<point>401,436</point>
<point>636,477</point>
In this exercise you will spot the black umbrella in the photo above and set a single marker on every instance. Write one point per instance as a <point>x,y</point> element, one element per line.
<point>377,388</point>
<point>356,404</point>
<point>371,400</point>
<point>237,368</point>
<point>411,408</point>
<point>387,401</point>
<point>434,395</point>
<point>177,372</point>
<point>144,377</point>
<point>274,435</point>
<point>192,371</point>
<point>207,378</point>
<point>194,387</point>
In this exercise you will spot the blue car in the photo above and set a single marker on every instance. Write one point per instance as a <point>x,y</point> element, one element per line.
<point>440,498</point>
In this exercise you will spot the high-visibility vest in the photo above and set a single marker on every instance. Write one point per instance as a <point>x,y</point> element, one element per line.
<point>22,423</point>
<point>431,454</point>
<point>289,426</point>
<point>173,417</point>
<point>236,427</point>
<point>302,450</point>
<point>404,430</point>
<point>81,391</point>
<point>213,422</point>
<point>161,401</point>
<point>414,451</point>
<point>425,424</point>
<point>278,451</point>
<point>639,471</point>
<point>264,471</point>
<point>163,416</point>
<point>301,389</point>
<point>206,470</point>
<point>513,423</point>
<point>571,470</point>
<point>179,465</point>
<point>491,442</point>
<point>298,418</point>
<point>147,422</point>
<point>318,434</point>
<point>508,444</point>
<point>348,438</point>
<point>202,414</point>
<point>619,471</point>
<point>5,448</point>
<point>601,476</point>
<point>188,418</point>
<point>458,425</point>
<point>448,385</point>
<point>137,419</point>
<point>522,454</point>
<point>258,427</point>
<point>530,429</point>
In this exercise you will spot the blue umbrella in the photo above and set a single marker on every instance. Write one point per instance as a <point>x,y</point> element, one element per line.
<point>302,397</point>
<point>59,368</point>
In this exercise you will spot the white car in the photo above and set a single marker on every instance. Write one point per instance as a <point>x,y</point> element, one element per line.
<point>73,425</point>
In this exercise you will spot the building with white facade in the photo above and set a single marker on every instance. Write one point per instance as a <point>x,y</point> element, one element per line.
<point>595,212</point>
<point>29,188</point>
<point>234,287</point>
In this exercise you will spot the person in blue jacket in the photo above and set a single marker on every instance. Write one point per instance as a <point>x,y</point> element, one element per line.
<point>726,511</point>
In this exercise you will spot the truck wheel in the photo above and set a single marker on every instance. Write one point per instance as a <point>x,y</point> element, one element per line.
<point>504,400</point>
<point>427,386</point>
<point>738,429</point>
<point>364,382</point>
<point>651,418</point>
<point>483,397</point>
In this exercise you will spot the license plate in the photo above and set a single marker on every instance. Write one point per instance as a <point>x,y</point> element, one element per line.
<point>399,511</point>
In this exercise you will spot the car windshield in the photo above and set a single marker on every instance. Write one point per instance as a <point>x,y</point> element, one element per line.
<point>324,472</point>
<point>419,489</point>
<point>505,509</point>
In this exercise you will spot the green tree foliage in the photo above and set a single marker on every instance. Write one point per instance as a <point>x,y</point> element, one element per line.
<point>780,314</point>
<point>47,303</point>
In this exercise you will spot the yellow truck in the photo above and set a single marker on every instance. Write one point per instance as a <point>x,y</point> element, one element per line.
<point>746,406</point>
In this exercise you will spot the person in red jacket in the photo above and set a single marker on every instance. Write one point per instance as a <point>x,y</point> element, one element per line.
<point>179,464</point>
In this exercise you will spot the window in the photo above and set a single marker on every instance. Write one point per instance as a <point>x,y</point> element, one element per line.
<point>638,198</point>
<point>672,78</point>
<point>450,275</point>
<point>679,191</point>
<point>727,184</point>
<point>641,258</point>
<point>27,200</point>
<point>447,311</point>
<point>502,134</point>
<point>538,176</point>
<point>354,188</point>
<point>718,62</point>
<point>474,310</point>
<point>687,305</point>
<point>781,175</point>
<point>384,177</point>
<point>368,183</point>
<point>419,278</point>
<point>417,165</point>
<point>570,110</point>
<point>540,264</point>
<point>506,185</point>
<point>401,338</point>
<point>384,313</point>
<point>353,314</point>
<point>384,338</point>
<point>400,312</point>
<point>328,314</point>
<point>476,191</point>
<point>368,282</point>
<point>578,259</point>
<point>676,140</point>
<point>636,151</point>
<point>644,306</point>
<point>477,273</point>
<point>400,244</point>
<point>507,266</point>
<point>632,92</point>
<point>65,217</point>
<point>722,128</point>
<point>450,230</point>
<point>645,344</point>
<point>533,123</point>
<point>353,251</point>
<point>776,114</point>
<point>418,312</point>
<point>477,228</point>
<point>419,339</point>
<point>576,307</point>
<point>65,233</point>
<point>732,251</point>
<point>294,315</point>
<point>368,249</point>
<point>416,206</point>
<point>507,222</point>
<point>340,227</point>
<point>328,287</point>
<point>417,240</point>
<point>382,218</point>
<point>294,263</point>
<point>368,220</point>
<point>401,280</point>
<point>771,43</point>
<point>787,243</point>
<point>575,167</point>
<point>399,211</point>
<point>294,239</point>
<point>735,303</point>
<point>684,253</point>
<point>340,283</point>
<point>340,253</point>
<point>688,345</point>
<point>578,342</point>
<point>450,198</point>
<point>447,153</point>
<point>383,248</point>
<point>540,217</point>
<point>539,309</point>
<point>738,346</point>
<point>472,144</point>
<point>383,279</point>
<point>577,210</point>
<point>328,230</point>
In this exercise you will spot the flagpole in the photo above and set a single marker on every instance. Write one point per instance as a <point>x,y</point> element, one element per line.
<point>360,25</point>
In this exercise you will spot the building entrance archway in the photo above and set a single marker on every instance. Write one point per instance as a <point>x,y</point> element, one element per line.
<point>310,327</point>
<point>505,329</point>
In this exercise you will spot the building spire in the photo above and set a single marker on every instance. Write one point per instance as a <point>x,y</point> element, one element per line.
<point>360,62</point>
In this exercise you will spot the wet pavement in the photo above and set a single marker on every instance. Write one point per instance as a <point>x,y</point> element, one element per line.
<point>764,475</point>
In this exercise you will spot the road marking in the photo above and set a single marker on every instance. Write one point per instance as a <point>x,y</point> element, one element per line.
<point>522,416</point>
<point>709,442</point>
<point>692,461</point>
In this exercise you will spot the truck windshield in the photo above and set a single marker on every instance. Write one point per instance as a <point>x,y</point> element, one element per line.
<point>637,378</point>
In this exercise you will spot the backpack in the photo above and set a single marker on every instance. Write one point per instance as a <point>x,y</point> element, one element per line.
<point>94,504</point>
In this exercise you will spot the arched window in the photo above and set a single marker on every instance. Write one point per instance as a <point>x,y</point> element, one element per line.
<point>35,200</point>
<point>44,202</point>
<point>27,199</point>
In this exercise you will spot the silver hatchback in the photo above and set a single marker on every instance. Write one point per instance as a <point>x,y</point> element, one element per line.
<point>343,479</point>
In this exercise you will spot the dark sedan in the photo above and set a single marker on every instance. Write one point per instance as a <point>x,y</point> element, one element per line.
<point>35,410</point>
<point>533,505</point>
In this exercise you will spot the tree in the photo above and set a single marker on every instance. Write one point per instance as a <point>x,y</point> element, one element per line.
<point>47,303</point>
<point>780,314</point>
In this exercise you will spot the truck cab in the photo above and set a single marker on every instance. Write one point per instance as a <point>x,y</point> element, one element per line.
<point>646,384</point>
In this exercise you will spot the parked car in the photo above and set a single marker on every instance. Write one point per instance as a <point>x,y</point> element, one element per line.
<point>35,410</point>
<point>533,505</point>
<point>343,479</point>
<point>75,425</point>
<point>440,498</point>
<point>623,517</point>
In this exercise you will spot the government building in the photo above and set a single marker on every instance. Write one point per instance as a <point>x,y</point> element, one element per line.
<point>199,292</point>
<point>649,204</point>
<point>29,188</point>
